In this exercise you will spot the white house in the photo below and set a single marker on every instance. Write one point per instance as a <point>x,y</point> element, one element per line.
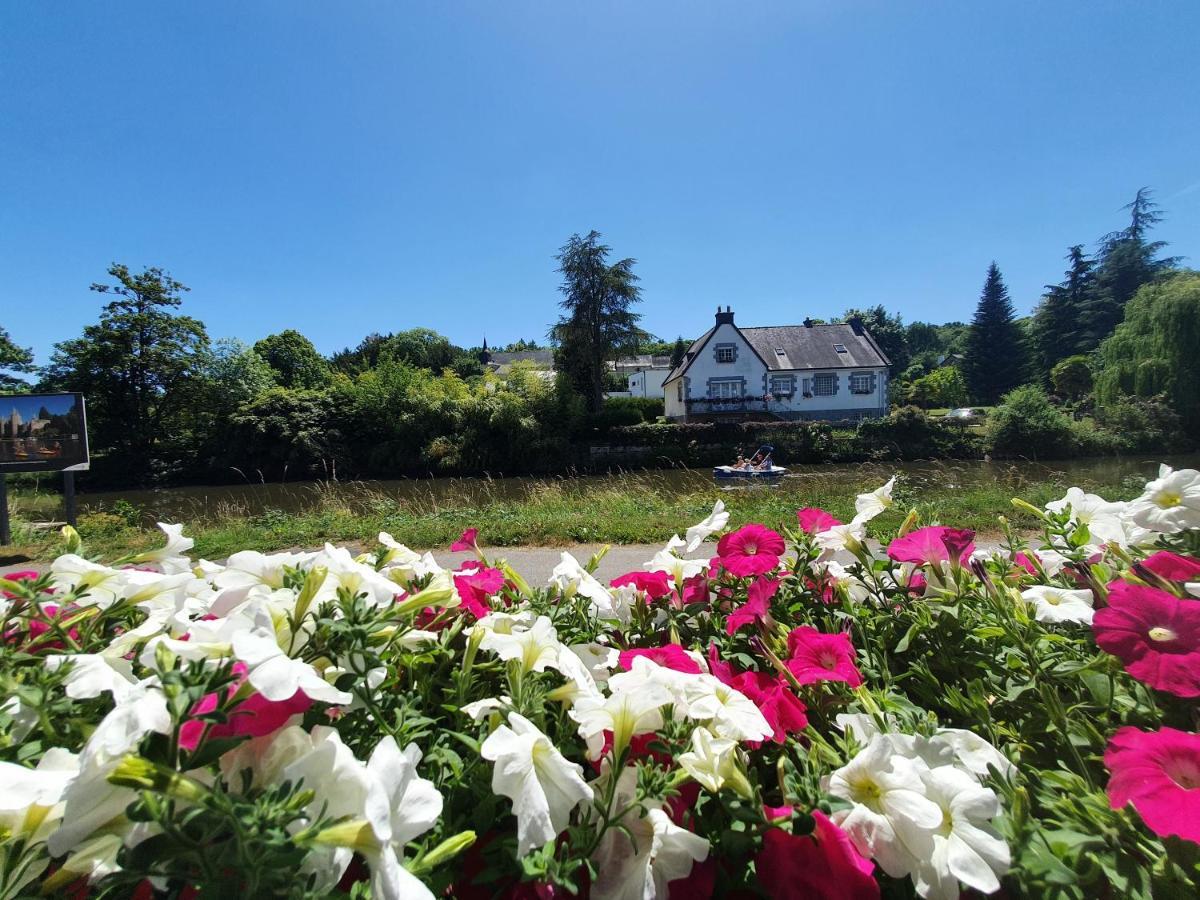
<point>644,374</point>
<point>808,371</point>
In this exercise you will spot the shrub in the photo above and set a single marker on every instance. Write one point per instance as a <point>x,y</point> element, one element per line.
<point>1072,377</point>
<point>1027,424</point>
<point>1143,424</point>
<point>941,387</point>
<point>618,412</point>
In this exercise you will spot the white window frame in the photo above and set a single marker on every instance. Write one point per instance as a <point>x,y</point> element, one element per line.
<point>825,384</point>
<point>860,383</point>
<point>728,390</point>
<point>726,350</point>
<point>783,385</point>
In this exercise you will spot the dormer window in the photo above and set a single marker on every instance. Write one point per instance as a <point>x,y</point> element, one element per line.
<point>840,348</point>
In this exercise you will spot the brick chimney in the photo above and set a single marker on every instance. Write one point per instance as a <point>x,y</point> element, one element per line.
<point>724,318</point>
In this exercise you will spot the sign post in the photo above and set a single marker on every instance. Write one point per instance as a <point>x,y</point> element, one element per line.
<point>42,433</point>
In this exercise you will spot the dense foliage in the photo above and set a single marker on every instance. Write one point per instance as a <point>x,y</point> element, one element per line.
<point>792,712</point>
<point>997,358</point>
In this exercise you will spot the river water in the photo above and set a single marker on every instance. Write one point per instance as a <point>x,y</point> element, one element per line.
<point>212,502</point>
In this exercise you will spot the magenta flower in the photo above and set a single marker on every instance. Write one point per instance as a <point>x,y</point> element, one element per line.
<point>1159,773</point>
<point>757,609</point>
<point>1172,566</point>
<point>695,589</point>
<point>933,544</point>
<point>654,585</point>
<point>466,541</point>
<point>820,866</point>
<point>670,656</point>
<point>814,520</point>
<point>254,716</point>
<point>1155,634</point>
<point>751,550</point>
<point>780,706</point>
<point>816,656</point>
<point>476,587</point>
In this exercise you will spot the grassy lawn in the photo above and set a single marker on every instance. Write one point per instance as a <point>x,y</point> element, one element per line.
<point>635,508</point>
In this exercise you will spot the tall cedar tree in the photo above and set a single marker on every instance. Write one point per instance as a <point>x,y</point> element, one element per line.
<point>1057,326</point>
<point>137,366</point>
<point>599,324</point>
<point>1127,261</point>
<point>997,357</point>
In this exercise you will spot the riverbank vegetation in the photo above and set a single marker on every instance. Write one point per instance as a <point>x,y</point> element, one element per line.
<point>1106,364</point>
<point>627,508</point>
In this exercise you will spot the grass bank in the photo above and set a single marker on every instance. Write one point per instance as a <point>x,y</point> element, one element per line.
<point>644,507</point>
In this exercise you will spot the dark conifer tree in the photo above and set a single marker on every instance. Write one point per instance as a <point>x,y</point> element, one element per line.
<point>997,359</point>
<point>1057,328</point>
<point>1127,261</point>
<point>677,352</point>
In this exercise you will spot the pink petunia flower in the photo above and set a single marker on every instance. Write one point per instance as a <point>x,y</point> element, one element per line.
<point>33,640</point>
<point>254,716</point>
<point>820,866</point>
<point>655,585</point>
<point>1172,566</point>
<point>757,609</point>
<point>476,587</point>
<point>670,656</point>
<point>466,541</point>
<point>814,520</point>
<point>816,656</point>
<point>1159,773</point>
<point>933,544</point>
<point>1155,634</point>
<point>780,706</point>
<point>695,589</point>
<point>751,550</point>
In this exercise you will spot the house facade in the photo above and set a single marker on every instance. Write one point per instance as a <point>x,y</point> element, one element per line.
<point>644,375</point>
<point>808,371</point>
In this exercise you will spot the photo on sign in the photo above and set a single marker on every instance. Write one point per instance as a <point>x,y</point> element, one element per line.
<point>42,433</point>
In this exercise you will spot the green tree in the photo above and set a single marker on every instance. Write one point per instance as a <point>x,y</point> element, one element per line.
<point>1128,260</point>
<point>1072,377</point>
<point>996,358</point>
<point>135,365</point>
<point>888,331</point>
<point>294,359</point>
<point>1058,324</point>
<point>14,360</point>
<point>599,323</point>
<point>1154,350</point>
<point>1026,424</point>
<point>678,351</point>
<point>941,387</point>
<point>285,433</point>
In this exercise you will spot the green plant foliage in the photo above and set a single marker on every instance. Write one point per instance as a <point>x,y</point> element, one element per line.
<point>1027,424</point>
<point>943,387</point>
<point>1072,377</point>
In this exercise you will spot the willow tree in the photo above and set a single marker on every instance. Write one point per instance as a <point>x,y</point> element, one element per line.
<point>1153,352</point>
<point>598,322</point>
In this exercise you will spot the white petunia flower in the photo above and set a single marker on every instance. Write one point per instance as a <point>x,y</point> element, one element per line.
<point>571,578</point>
<point>480,709</point>
<point>625,713</point>
<point>1170,503</point>
<point>964,848</point>
<point>1102,518</point>
<point>249,567</point>
<point>974,753</point>
<point>678,568</point>
<point>172,558</point>
<point>541,783</point>
<point>31,799</point>
<point>712,762</point>
<point>347,573</point>
<point>277,676</point>
<point>891,811</point>
<point>639,860</point>
<point>700,532</point>
<point>868,506</point>
<point>1056,604</point>
<point>93,584</point>
<point>536,648</point>
<point>842,537</point>
<point>731,713</point>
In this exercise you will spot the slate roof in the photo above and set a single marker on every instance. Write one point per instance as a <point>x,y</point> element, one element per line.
<point>537,357</point>
<point>803,348</point>
<point>813,348</point>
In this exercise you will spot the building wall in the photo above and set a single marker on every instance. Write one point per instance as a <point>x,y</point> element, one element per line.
<point>647,382</point>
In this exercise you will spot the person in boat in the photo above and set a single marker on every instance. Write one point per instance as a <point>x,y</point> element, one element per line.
<point>766,465</point>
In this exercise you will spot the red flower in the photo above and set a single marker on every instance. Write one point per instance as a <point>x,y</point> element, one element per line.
<point>751,550</point>
<point>782,709</point>
<point>820,866</point>
<point>255,716</point>
<point>1171,566</point>
<point>477,587</point>
<point>1155,634</point>
<point>816,656</point>
<point>695,589</point>
<point>933,544</point>
<point>35,641</point>
<point>1159,773</point>
<point>466,541</point>
<point>672,656</point>
<point>814,520</point>
<point>654,585</point>
<point>757,608</point>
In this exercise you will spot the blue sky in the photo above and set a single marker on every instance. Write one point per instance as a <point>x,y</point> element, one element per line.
<point>346,168</point>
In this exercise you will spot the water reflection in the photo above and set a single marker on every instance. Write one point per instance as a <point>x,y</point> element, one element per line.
<point>434,494</point>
